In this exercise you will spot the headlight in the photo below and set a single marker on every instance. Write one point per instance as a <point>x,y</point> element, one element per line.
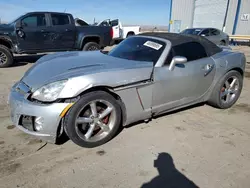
<point>49,92</point>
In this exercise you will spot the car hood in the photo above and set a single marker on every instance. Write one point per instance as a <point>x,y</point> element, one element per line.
<point>64,65</point>
<point>4,27</point>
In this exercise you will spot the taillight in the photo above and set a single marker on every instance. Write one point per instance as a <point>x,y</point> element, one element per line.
<point>111,33</point>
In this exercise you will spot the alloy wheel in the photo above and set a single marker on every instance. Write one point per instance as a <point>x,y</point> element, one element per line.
<point>95,120</point>
<point>230,89</point>
<point>3,58</point>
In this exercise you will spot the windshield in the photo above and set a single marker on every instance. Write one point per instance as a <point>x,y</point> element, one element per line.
<point>191,31</point>
<point>139,49</point>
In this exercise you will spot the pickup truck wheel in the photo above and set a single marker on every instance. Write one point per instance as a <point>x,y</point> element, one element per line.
<point>222,43</point>
<point>93,120</point>
<point>227,90</point>
<point>91,46</point>
<point>6,58</point>
<point>130,35</point>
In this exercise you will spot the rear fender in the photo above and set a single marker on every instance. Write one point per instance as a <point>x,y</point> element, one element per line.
<point>226,61</point>
<point>235,61</point>
<point>83,39</point>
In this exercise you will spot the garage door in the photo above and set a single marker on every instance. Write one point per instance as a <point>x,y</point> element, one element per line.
<point>209,13</point>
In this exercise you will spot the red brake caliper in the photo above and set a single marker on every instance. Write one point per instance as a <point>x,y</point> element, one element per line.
<point>106,119</point>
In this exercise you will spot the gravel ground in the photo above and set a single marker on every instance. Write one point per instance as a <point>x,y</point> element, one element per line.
<point>197,147</point>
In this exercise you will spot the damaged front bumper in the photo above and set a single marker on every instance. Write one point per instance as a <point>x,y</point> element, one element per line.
<point>40,120</point>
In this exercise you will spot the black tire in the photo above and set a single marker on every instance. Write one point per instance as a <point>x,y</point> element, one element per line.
<point>70,118</point>
<point>91,46</point>
<point>222,43</point>
<point>130,35</point>
<point>215,99</point>
<point>4,50</point>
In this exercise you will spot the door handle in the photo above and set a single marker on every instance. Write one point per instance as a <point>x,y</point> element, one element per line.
<point>43,31</point>
<point>67,30</point>
<point>208,68</point>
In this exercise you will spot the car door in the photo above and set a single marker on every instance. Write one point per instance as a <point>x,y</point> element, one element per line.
<point>34,32</point>
<point>104,23</point>
<point>64,31</point>
<point>116,28</point>
<point>185,84</point>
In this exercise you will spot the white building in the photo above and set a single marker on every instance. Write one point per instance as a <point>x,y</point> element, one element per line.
<point>232,16</point>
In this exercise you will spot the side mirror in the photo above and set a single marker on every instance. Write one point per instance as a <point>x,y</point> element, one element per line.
<point>177,60</point>
<point>18,24</point>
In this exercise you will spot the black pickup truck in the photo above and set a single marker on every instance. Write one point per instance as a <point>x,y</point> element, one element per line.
<point>41,32</point>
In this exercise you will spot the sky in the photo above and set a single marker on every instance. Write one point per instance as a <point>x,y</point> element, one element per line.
<point>142,12</point>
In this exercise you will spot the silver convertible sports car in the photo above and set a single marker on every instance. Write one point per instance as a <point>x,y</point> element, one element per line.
<point>89,95</point>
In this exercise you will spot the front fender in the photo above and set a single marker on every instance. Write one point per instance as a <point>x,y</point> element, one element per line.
<point>6,39</point>
<point>135,98</point>
<point>112,79</point>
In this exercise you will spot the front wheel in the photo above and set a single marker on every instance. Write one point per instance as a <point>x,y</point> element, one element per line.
<point>93,120</point>
<point>6,57</point>
<point>227,91</point>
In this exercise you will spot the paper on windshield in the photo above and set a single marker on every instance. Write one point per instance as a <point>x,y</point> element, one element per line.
<point>153,45</point>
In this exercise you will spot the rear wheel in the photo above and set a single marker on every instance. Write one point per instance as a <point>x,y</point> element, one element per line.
<point>93,120</point>
<point>91,46</point>
<point>6,58</point>
<point>227,91</point>
<point>222,43</point>
<point>130,34</point>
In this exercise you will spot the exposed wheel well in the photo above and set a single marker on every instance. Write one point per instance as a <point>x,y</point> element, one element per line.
<point>5,43</point>
<point>130,33</point>
<point>90,39</point>
<point>108,90</point>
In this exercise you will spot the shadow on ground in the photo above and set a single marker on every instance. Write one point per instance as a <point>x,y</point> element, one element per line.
<point>169,176</point>
<point>25,59</point>
<point>62,139</point>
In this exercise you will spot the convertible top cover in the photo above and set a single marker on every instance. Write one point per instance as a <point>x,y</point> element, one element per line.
<point>177,39</point>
